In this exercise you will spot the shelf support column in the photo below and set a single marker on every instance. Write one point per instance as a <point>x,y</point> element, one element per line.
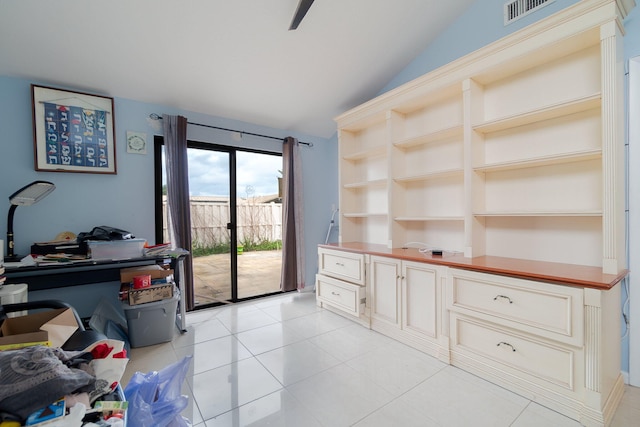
<point>393,123</point>
<point>474,227</point>
<point>613,198</point>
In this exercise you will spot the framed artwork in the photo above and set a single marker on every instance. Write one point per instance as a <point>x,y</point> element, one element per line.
<point>73,131</point>
<point>136,142</point>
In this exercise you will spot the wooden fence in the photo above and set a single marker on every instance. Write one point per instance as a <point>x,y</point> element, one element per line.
<point>257,222</point>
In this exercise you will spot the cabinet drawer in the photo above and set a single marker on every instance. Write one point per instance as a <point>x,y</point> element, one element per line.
<point>516,353</point>
<point>341,265</point>
<point>345,296</point>
<point>552,311</point>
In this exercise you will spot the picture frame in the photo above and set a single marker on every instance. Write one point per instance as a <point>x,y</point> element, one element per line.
<point>136,142</point>
<point>73,131</point>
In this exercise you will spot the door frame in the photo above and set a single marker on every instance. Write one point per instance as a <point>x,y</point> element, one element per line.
<point>233,208</point>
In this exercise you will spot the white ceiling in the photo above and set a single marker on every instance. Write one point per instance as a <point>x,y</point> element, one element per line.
<point>227,58</point>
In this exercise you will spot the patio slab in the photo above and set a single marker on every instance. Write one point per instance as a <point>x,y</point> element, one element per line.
<point>258,274</point>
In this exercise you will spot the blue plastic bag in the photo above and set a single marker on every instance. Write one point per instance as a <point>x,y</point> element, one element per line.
<point>155,399</point>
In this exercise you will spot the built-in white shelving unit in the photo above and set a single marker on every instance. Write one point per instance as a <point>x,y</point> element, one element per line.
<point>520,141</point>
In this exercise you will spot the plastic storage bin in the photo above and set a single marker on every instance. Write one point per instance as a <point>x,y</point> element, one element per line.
<point>151,323</point>
<point>116,249</point>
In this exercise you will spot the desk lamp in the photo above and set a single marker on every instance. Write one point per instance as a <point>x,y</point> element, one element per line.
<point>26,196</point>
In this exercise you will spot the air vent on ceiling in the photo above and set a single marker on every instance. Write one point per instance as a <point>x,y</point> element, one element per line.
<point>516,9</point>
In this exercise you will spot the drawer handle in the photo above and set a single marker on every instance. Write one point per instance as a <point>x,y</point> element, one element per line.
<point>502,296</point>
<point>507,344</point>
<point>335,293</point>
<point>340,264</point>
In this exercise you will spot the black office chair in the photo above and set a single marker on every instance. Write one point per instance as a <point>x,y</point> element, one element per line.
<point>80,339</point>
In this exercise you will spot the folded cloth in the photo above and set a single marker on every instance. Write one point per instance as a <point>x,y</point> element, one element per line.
<point>101,351</point>
<point>33,377</point>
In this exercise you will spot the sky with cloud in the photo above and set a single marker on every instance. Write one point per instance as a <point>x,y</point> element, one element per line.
<point>257,174</point>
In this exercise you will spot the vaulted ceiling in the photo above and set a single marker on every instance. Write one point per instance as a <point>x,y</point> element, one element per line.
<point>230,58</point>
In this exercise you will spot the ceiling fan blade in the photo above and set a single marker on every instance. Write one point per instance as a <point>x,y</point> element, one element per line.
<point>301,11</point>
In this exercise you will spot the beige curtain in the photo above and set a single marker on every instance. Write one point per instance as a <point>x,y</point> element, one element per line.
<point>292,221</point>
<point>175,149</point>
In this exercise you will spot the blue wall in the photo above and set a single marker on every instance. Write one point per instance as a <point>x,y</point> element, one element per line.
<point>631,49</point>
<point>632,36</point>
<point>125,200</point>
<point>481,24</point>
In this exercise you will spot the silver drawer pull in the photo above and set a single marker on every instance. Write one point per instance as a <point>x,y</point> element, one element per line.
<point>507,344</point>
<point>502,296</point>
<point>335,293</point>
<point>340,264</point>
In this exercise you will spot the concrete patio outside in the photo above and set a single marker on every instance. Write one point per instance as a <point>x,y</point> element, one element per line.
<point>258,274</point>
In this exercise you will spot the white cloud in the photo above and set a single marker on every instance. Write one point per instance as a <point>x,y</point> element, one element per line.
<point>209,173</point>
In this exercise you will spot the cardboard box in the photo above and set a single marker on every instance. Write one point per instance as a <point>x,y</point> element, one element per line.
<point>51,327</point>
<point>151,294</point>
<point>155,271</point>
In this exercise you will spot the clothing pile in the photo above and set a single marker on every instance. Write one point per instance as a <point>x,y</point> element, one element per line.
<point>36,381</point>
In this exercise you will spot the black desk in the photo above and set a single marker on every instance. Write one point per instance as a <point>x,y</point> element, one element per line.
<point>74,273</point>
<point>92,271</point>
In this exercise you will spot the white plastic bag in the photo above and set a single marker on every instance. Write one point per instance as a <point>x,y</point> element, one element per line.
<point>107,370</point>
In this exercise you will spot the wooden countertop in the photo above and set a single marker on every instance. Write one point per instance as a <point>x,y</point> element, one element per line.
<point>565,274</point>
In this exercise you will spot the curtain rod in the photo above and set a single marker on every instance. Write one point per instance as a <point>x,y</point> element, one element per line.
<point>155,116</point>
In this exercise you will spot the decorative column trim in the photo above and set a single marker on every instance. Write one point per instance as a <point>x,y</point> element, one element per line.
<point>612,144</point>
<point>592,322</point>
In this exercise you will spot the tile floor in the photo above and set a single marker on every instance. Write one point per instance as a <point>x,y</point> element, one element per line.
<point>282,361</point>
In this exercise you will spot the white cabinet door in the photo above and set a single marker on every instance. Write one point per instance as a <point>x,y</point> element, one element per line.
<point>385,290</point>
<point>419,299</point>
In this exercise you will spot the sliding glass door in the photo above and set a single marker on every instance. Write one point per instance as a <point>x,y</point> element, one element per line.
<point>259,223</point>
<point>236,223</point>
<point>213,239</point>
